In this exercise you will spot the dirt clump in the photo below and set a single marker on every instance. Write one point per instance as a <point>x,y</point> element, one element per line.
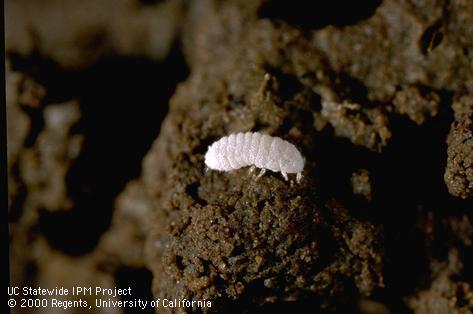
<point>459,171</point>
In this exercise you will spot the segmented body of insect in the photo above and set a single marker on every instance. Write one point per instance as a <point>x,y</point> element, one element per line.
<point>255,149</point>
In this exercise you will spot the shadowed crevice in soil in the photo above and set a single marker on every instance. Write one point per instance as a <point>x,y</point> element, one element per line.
<point>309,15</point>
<point>37,124</point>
<point>149,2</point>
<point>413,167</point>
<point>122,103</point>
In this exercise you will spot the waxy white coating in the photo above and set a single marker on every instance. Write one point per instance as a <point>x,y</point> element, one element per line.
<point>255,149</point>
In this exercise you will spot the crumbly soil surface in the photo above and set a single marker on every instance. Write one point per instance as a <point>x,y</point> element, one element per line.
<point>111,108</point>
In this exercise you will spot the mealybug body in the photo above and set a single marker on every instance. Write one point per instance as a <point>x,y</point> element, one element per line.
<point>255,149</point>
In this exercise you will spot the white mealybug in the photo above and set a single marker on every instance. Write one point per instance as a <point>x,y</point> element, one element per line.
<point>255,149</point>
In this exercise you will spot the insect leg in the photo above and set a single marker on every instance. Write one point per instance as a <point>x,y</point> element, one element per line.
<point>285,176</point>
<point>299,177</point>
<point>261,173</point>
